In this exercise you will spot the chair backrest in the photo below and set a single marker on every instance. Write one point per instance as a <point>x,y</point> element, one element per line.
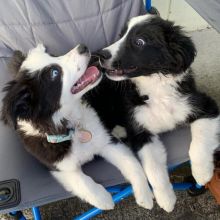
<point>60,25</point>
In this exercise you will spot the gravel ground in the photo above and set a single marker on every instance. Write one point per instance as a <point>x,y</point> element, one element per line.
<point>207,68</point>
<point>202,207</point>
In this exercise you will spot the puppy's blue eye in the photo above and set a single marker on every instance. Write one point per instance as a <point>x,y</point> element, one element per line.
<point>54,73</point>
<point>139,42</point>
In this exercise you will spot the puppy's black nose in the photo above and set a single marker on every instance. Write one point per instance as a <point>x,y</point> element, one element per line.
<point>82,49</point>
<point>104,54</point>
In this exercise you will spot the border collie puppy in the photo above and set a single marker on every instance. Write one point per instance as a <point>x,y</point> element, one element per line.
<point>158,94</point>
<point>43,103</point>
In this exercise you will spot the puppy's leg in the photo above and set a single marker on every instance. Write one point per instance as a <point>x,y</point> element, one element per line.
<point>154,161</point>
<point>205,128</point>
<point>205,140</point>
<point>85,188</point>
<point>120,156</point>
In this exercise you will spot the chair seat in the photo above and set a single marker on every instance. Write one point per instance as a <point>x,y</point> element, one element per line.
<point>38,187</point>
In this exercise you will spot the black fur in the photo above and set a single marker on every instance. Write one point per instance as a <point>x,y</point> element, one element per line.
<point>34,97</point>
<point>167,50</point>
<point>203,105</point>
<point>16,61</point>
<point>114,103</point>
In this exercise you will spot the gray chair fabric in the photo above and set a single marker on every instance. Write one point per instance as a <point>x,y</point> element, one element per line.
<point>209,10</point>
<point>60,25</point>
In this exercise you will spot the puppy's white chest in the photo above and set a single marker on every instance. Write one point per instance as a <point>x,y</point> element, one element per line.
<point>84,148</point>
<point>165,108</point>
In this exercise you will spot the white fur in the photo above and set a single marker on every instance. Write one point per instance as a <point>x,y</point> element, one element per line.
<point>85,188</point>
<point>57,118</point>
<point>165,108</point>
<point>28,128</point>
<point>117,155</point>
<point>154,161</point>
<point>119,132</point>
<point>37,59</point>
<point>113,48</point>
<point>205,139</point>
<point>73,64</point>
<point>69,172</point>
<point>120,156</point>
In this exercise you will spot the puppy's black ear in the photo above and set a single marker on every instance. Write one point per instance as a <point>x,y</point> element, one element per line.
<point>16,104</point>
<point>16,61</point>
<point>21,106</point>
<point>180,47</point>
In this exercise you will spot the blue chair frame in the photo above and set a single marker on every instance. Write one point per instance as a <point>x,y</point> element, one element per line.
<point>148,5</point>
<point>120,192</point>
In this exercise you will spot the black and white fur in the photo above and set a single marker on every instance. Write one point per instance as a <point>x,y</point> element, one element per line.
<point>156,93</point>
<point>39,102</point>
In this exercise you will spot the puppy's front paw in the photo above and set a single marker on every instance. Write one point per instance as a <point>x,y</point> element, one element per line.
<point>146,203</point>
<point>103,200</point>
<point>202,173</point>
<point>166,199</point>
<point>145,199</point>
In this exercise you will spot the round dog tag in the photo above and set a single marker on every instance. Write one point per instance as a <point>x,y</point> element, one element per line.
<point>84,136</point>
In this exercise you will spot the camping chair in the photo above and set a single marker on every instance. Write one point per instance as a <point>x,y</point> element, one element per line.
<point>24,182</point>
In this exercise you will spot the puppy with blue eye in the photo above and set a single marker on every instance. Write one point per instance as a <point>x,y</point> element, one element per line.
<point>44,104</point>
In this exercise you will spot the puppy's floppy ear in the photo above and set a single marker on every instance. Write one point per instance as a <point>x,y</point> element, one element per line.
<point>16,104</point>
<point>180,47</point>
<point>16,61</point>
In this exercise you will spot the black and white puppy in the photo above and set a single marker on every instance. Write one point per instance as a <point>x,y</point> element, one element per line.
<point>43,103</point>
<point>157,93</point>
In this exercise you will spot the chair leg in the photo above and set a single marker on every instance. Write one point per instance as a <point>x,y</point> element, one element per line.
<point>196,190</point>
<point>36,213</point>
<point>148,5</point>
<point>18,215</point>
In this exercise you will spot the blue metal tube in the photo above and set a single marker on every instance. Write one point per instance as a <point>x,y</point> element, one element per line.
<point>20,216</point>
<point>116,198</point>
<point>36,213</point>
<point>148,5</point>
<point>181,186</point>
<point>115,189</point>
<point>198,186</point>
<point>123,194</point>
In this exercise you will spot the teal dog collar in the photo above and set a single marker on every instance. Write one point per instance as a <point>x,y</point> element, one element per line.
<point>60,137</point>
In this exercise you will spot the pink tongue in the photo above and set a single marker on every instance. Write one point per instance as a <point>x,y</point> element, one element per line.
<point>90,72</point>
<point>90,76</point>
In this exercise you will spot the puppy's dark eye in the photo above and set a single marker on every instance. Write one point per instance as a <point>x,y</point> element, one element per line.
<point>139,42</point>
<point>54,72</point>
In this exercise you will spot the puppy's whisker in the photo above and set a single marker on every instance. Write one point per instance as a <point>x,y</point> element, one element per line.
<point>99,60</point>
<point>100,63</point>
